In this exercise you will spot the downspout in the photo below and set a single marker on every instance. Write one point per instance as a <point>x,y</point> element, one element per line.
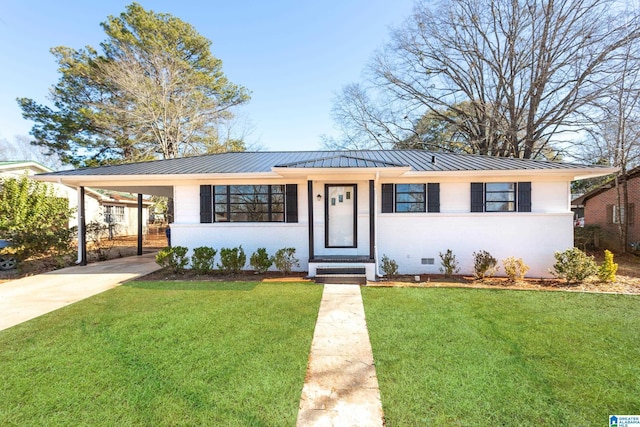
<point>140,229</point>
<point>82,229</point>
<point>375,220</point>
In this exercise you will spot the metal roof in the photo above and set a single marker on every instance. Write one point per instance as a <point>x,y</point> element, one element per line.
<point>340,161</point>
<point>265,161</point>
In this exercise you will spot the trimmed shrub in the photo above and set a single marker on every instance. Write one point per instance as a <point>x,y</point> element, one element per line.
<point>285,260</point>
<point>174,258</point>
<point>608,269</point>
<point>514,268</point>
<point>389,266</point>
<point>232,260</point>
<point>203,259</point>
<point>573,265</point>
<point>260,260</point>
<point>449,264</point>
<point>484,265</point>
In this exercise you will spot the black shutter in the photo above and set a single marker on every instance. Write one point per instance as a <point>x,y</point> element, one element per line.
<point>291,192</point>
<point>524,197</point>
<point>206,204</point>
<point>387,198</point>
<point>477,197</point>
<point>433,197</point>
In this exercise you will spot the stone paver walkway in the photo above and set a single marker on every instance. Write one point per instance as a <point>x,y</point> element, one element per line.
<point>341,387</point>
<point>30,297</point>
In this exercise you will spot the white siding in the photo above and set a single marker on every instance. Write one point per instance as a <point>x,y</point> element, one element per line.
<point>187,230</point>
<point>533,237</point>
<point>406,238</point>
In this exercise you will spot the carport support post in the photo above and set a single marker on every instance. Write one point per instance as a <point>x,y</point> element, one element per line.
<point>140,230</point>
<point>82,229</point>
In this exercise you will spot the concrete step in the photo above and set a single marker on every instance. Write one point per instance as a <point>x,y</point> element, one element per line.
<point>346,279</point>
<point>341,270</point>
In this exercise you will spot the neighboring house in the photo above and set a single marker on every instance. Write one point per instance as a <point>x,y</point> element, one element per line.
<point>601,208</point>
<point>350,208</point>
<point>120,210</point>
<point>17,169</point>
<point>107,207</point>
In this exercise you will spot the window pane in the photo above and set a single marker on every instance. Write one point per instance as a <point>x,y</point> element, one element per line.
<point>501,186</point>
<point>409,188</point>
<point>249,217</point>
<point>409,207</point>
<point>500,207</point>
<point>501,197</point>
<point>410,197</point>
<point>220,189</point>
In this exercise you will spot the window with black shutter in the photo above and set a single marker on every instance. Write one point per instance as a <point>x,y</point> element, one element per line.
<point>524,197</point>
<point>248,203</point>
<point>433,197</point>
<point>501,197</point>
<point>206,204</point>
<point>291,202</point>
<point>477,197</point>
<point>387,198</point>
<point>410,198</point>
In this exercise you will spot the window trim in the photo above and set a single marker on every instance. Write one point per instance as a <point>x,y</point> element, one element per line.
<point>430,192</point>
<point>511,192</point>
<point>228,203</point>
<point>289,194</point>
<point>522,197</point>
<point>396,202</point>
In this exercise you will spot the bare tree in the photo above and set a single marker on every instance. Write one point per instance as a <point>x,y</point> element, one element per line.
<point>165,103</point>
<point>615,133</point>
<point>512,76</point>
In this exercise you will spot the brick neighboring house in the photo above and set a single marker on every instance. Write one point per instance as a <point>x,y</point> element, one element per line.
<point>600,208</point>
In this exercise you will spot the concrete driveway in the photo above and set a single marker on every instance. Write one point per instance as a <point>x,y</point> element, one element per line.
<point>30,297</point>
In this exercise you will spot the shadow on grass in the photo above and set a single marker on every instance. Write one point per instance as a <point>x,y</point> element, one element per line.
<point>193,286</point>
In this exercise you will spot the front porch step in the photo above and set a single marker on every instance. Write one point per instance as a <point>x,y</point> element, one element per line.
<point>341,270</point>
<point>341,275</point>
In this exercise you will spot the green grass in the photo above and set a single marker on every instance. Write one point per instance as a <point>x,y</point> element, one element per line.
<point>163,353</point>
<point>481,357</point>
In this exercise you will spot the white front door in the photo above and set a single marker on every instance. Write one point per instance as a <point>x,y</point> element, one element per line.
<point>340,216</point>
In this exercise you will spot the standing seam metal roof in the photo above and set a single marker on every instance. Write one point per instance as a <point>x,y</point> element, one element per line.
<point>260,162</point>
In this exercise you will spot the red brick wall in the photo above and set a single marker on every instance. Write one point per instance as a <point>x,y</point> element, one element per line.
<point>595,213</point>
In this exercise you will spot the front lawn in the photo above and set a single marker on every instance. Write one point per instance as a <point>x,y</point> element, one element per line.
<point>480,357</point>
<point>163,353</point>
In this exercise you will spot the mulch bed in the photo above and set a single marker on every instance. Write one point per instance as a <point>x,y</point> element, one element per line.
<point>622,285</point>
<point>218,276</point>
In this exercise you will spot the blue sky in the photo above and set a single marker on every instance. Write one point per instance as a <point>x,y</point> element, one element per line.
<point>294,56</point>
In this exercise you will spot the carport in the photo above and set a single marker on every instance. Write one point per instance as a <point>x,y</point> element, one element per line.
<point>101,178</point>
